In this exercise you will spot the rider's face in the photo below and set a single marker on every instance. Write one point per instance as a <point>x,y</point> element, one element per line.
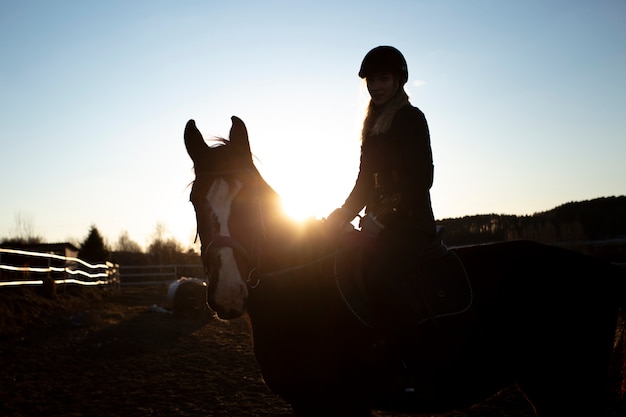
<point>382,86</point>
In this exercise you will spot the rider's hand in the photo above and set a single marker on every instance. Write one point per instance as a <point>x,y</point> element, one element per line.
<point>339,220</point>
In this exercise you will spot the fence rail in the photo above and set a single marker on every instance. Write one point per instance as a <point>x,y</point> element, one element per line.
<point>158,274</point>
<point>20,267</point>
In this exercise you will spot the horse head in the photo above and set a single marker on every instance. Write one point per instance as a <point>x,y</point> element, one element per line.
<point>224,196</point>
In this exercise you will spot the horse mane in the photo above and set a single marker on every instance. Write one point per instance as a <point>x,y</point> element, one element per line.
<point>217,141</point>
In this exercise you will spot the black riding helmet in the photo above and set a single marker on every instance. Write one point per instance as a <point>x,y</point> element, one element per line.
<point>385,59</point>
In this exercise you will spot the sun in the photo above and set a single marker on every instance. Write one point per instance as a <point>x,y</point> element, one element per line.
<point>300,210</point>
<point>308,192</point>
<point>303,199</point>
<point>311,198</point>
<point>312,175</point>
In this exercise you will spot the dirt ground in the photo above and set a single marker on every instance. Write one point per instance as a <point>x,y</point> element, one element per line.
<point>89,353</point>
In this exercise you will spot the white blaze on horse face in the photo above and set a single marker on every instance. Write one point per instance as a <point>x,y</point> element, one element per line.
<point>230,291</point>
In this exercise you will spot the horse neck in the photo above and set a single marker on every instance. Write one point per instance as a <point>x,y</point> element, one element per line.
<point>295,276</point>
<point>285,241</point>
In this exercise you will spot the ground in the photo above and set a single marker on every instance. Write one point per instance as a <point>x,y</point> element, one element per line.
<point>92,353</point>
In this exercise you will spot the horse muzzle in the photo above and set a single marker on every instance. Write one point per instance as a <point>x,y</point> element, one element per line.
<point>227,292</point>
<point>228,309</point>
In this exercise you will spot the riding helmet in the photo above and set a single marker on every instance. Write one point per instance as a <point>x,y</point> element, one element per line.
<point>385,59</point>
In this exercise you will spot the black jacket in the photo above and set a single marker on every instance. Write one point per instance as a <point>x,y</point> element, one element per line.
<point>398,163</point>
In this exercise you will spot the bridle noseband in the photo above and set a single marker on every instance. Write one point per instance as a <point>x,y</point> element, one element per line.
<point>219,242</point>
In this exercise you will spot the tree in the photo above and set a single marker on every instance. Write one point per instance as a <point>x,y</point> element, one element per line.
<point>93,248</point>
<point>165,251</point>
<point>24,230</point>
<point>126,244</point>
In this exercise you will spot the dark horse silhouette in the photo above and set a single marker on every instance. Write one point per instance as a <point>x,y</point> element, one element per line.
<point>541,317</point>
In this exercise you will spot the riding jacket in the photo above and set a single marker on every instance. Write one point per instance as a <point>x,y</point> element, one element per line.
<point>395,176</point>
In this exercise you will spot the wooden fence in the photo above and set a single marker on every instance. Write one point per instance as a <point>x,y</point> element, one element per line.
<point>158,274</point>
<point>21,267</point>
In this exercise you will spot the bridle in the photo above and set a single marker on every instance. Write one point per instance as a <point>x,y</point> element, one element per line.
<point>220,241</point>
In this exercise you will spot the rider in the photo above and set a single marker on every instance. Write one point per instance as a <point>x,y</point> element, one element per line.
<point>396,167</point>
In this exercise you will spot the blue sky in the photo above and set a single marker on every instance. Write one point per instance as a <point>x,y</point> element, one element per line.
<point>526,103</point>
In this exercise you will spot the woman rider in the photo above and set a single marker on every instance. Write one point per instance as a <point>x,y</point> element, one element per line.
<point>396,167</point>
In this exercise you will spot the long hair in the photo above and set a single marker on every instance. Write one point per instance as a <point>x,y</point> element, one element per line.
<point>378,121</point>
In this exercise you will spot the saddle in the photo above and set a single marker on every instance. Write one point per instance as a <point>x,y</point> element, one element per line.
<point>406,293</point>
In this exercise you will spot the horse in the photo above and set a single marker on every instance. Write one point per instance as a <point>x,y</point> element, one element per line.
<point>542,318</point>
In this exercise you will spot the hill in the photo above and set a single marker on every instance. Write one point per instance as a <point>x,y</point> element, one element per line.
<point>581,225</point>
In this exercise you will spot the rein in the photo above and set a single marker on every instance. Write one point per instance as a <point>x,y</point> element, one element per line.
<point>227,241</point>
<point>291,269</point>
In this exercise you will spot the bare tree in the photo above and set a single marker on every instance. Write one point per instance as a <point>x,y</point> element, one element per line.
<point>126,244</point>
<point>159,232</point>
<point>24,229</point>
<point>163,249</point>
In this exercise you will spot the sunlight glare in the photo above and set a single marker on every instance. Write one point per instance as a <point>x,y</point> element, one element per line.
<point>300,210</point>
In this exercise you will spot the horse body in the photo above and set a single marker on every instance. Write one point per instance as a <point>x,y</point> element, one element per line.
<point>541,317</point>
<point>524,329</point>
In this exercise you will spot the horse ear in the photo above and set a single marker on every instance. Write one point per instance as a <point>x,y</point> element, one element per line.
<point>239,134</point>
<point>194,142</point>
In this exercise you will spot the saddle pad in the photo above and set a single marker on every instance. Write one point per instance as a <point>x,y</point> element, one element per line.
<point>443,286</point>
<point>349,285</point>
<point>424,291</point>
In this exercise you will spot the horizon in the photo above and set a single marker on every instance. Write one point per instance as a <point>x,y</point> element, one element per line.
<point>524,102</point>
<point>195,246</point>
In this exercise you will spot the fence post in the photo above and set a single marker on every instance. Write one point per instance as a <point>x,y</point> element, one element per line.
<point>49,286</point>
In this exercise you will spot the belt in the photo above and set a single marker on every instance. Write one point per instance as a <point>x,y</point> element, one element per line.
<point>384,180</point>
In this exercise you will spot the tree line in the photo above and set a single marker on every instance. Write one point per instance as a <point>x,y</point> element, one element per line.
<point>595,227</point>
<point>569,224</point>
<point>590,220</point>
<point>95,249</point>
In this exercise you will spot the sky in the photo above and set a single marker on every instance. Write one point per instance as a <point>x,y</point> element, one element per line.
<point>525,101</point>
